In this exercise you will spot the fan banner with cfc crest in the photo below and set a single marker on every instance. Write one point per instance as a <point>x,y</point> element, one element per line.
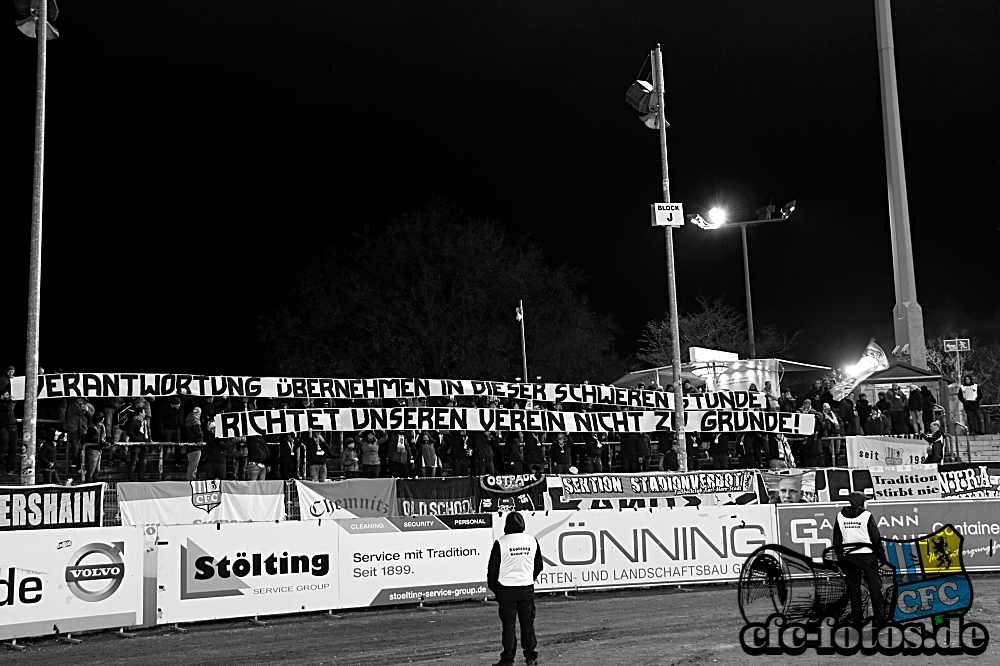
<point>192,502</point>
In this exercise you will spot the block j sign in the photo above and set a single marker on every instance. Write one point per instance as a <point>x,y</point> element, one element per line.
<point>667,214</point>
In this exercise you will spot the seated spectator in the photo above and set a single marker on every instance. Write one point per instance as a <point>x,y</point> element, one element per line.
<point>257,459</point>
<point>95,442</point>
<point>213,454</point>
<point>349,458</point>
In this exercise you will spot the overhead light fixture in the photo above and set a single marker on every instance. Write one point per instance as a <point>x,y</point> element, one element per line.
<point>639,96</point>
<point>717,216</point>
<point>698,220</point>
<point>26,26</point>
<point>788,209</point>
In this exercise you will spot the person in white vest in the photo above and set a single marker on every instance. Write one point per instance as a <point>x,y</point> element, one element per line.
<point>858,545</point>
<point>515,562</point>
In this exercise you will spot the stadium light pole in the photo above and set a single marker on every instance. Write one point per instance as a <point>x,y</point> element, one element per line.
<point>717,219</point>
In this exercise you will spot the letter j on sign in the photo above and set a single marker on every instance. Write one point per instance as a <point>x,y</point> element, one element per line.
<point>667,214</point>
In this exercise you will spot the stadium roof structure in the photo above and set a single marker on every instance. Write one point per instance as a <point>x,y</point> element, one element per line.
<point>900,372</point>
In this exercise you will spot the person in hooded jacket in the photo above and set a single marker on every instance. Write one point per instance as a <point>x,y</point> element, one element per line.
<point>8,431</point>
<point>515,562</point>
<point>858,545</point>
<point>258,458</point>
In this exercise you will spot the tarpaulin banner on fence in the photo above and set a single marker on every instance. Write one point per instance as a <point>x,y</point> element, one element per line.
<point>280,421</point>
<point>51,507</point>
<point>73,579</point>
<point>208,572</point>
<point>656,484</point>
<point>970,480</point>
<point>398,560</point>
<point>192,502</point>
<point>351,498</point>
<point>639,548</point>
<point>511,492</point>
<point>124,385</point>
<point>556,500</point>
<point>808,528</point>
<point>448,495</point>
<point>885,451</point>
<point>905,482</point>
<point>790,486</point>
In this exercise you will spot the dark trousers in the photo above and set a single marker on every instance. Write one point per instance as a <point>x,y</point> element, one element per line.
<point>8,446</point>
<point>510,613</point>
<point>484,466</point>
<point>460,467</point>
<point>136,462</point>
<point>863,566</point>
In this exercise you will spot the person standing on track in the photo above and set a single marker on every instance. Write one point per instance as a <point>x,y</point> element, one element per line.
<point>858,545</point>
<point>515,562</point>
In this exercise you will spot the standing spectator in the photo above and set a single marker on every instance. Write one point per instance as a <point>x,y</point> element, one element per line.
<point>915,405</point>
<point>457,445</point>
<point>111,407</point>
<point>642,445</point>
<point>349,458</point>
<point>77,423</point>
<point>257,459</point>
<point>514,456</point>
<point>240,458</point>
<point>935,449</point>
<point>592,449</point>
<point>46,459</point>
<point>171,427</point>
<point>968,394</point>
<point>370,461</point>
<point>8,429</point>
<point>813,393</point>
<point>719,450</point>
<point>399,454</point>
<point>288,461</point>
<point>864,411</point>
<point>786,403</point>
<point>193,434</point>
<point>534,456</point>
<point>562,453</point>
<point>927,414</point>
<point>628,453</point>
<point>317,451</point>
<point>848,416</point>
<point>95,442</point>
<point>136,430</point>
<point>482,454</point>
<point>897,410</point>
<point>213,455</point>
<point>427,454</point>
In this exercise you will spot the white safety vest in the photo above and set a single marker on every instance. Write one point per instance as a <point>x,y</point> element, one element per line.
<point>855,531</point>
<point>517,559</point>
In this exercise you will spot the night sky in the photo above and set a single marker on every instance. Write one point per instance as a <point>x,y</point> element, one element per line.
<point>200,154</point>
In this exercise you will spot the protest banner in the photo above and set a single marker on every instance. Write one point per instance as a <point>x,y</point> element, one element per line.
<point>210,572</point>
<point>969,479</point>
<point>448,495</point>
<point>69,580</point>
<point>656,484</point>
<point>808,529</point>
<point>350,498</point>
<point>511,492</point>
<point>193,502</point>
<point>885,451</point>
<point>125,385</point>
<point>556,500</point>
<point>905,482</point>
<point>584,550</point>
<point>397,560</point>
<point>282,421</point>
<point>51,507</point>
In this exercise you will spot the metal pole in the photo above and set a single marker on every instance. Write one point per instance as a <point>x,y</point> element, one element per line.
<point>680,445</point>
<point>524,352</point>
<point>907,314</point>
<point>746,279</point>
<point>35,270</point>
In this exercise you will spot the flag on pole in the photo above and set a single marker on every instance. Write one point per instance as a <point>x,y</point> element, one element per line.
<point>519,313</point>
<point>872,360</point>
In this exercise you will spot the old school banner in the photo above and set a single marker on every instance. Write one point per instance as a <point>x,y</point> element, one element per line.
<point>279,421</point>
<point>123,385</point>
<point>191,502</point>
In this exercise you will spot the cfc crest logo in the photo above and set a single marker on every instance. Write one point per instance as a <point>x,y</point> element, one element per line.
<point>930,578</point>
<point>893,456</point>
<point>206,495</point>
<point>96,571</point>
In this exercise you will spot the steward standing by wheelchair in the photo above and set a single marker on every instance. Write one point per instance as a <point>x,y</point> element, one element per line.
<point>858,545</point>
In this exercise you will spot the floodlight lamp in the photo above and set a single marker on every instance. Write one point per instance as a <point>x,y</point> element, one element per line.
<point>788,208</point>
<point>717,216</point>
<point>639,96</point>
<point>698,220</point>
